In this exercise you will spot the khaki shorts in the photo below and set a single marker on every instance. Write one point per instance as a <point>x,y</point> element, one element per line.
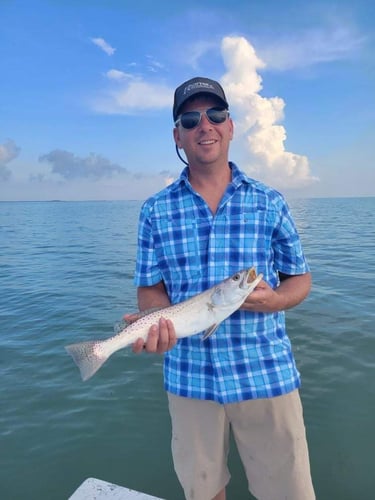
<point>270,437</point>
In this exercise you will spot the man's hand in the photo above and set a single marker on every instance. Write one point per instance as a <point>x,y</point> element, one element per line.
<point>161,338</point>
<point>291,291</point>
<point>262,299</point>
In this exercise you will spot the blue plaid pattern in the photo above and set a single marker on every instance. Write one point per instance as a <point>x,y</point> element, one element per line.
<point>182,243</point>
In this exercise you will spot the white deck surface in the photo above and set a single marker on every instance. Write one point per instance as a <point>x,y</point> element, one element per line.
<point>96,489</point>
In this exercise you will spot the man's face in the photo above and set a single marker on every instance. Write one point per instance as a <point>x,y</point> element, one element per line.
<point>208,142</point>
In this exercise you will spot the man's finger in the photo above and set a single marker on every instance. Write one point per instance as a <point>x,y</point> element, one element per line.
<point>152,339</point>
<point>138,346</point>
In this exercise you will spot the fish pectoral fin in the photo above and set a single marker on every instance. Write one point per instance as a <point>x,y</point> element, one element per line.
<point>212,329</point>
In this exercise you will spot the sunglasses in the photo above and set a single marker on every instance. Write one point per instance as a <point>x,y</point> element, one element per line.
<point>192,119</point>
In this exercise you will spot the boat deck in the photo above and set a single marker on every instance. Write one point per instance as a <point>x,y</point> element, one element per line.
<point>101,490</point>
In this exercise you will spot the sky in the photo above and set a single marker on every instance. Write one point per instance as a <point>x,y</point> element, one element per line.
<point>86,93</point>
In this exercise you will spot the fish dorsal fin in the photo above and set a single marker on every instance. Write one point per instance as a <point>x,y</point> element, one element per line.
<point>212,329</point>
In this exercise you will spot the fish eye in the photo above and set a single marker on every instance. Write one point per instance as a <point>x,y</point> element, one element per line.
<point>236,277</point>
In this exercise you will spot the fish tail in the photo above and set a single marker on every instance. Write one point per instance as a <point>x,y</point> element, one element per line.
<point>88,356</point>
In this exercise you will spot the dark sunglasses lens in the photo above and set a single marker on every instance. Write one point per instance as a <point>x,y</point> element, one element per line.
<point>190,119</point>
<point>216,115</point>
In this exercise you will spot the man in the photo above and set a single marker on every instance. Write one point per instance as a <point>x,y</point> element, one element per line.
<point>210,223</point>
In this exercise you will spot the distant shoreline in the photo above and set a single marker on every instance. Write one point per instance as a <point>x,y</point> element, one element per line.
<point>141,200</point>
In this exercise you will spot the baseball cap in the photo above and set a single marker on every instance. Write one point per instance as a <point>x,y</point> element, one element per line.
<point>194,86</point>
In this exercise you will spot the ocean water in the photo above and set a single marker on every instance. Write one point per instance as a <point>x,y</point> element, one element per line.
<point>66,275</point>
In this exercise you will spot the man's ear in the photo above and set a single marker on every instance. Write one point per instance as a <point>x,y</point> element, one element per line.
<point>232,128</point>
<point>176,135</point>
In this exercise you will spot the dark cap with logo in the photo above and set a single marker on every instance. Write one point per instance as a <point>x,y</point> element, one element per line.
<point>198,85</point>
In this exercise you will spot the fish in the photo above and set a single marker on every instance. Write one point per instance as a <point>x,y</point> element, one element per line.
<point>201,313</point>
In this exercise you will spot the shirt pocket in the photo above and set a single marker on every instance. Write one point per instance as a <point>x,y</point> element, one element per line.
<point>176,247</point>
<point>251,241</point>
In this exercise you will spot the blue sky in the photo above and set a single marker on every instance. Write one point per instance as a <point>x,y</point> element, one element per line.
<point>86,90</point>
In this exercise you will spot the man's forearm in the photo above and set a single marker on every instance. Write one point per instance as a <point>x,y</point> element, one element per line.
<point>150,297</point>
<point>294,289</point>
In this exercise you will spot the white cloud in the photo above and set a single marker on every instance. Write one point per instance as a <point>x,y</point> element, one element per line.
<point>115,74</point>
<point>259,136</point>
<point>8,151</point>
<point>314,46</point>
<point>102,44</point>
<point>134,96</point>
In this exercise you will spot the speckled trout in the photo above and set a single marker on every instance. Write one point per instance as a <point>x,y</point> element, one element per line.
<point>202,313</point>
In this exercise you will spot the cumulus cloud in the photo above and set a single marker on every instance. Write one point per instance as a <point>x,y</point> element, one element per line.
<point>8,151</point>
<point>102,44</point>
<point>258,131</point>
<point>133,96</point>
<point>69,166</point>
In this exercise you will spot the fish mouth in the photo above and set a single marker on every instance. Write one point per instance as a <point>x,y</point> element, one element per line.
<point>251,275</point>
<point>248,277</point>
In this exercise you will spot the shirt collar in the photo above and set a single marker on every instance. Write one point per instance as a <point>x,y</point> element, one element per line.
<point>238,177</point>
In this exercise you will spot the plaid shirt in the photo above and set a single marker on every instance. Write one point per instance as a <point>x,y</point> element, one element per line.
<point>182,243</point>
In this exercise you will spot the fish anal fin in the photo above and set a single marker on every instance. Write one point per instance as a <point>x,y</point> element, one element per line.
<point>212,329</point>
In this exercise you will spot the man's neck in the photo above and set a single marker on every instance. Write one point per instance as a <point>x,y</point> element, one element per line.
<point>211,183</point>
<point>214,175</point>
